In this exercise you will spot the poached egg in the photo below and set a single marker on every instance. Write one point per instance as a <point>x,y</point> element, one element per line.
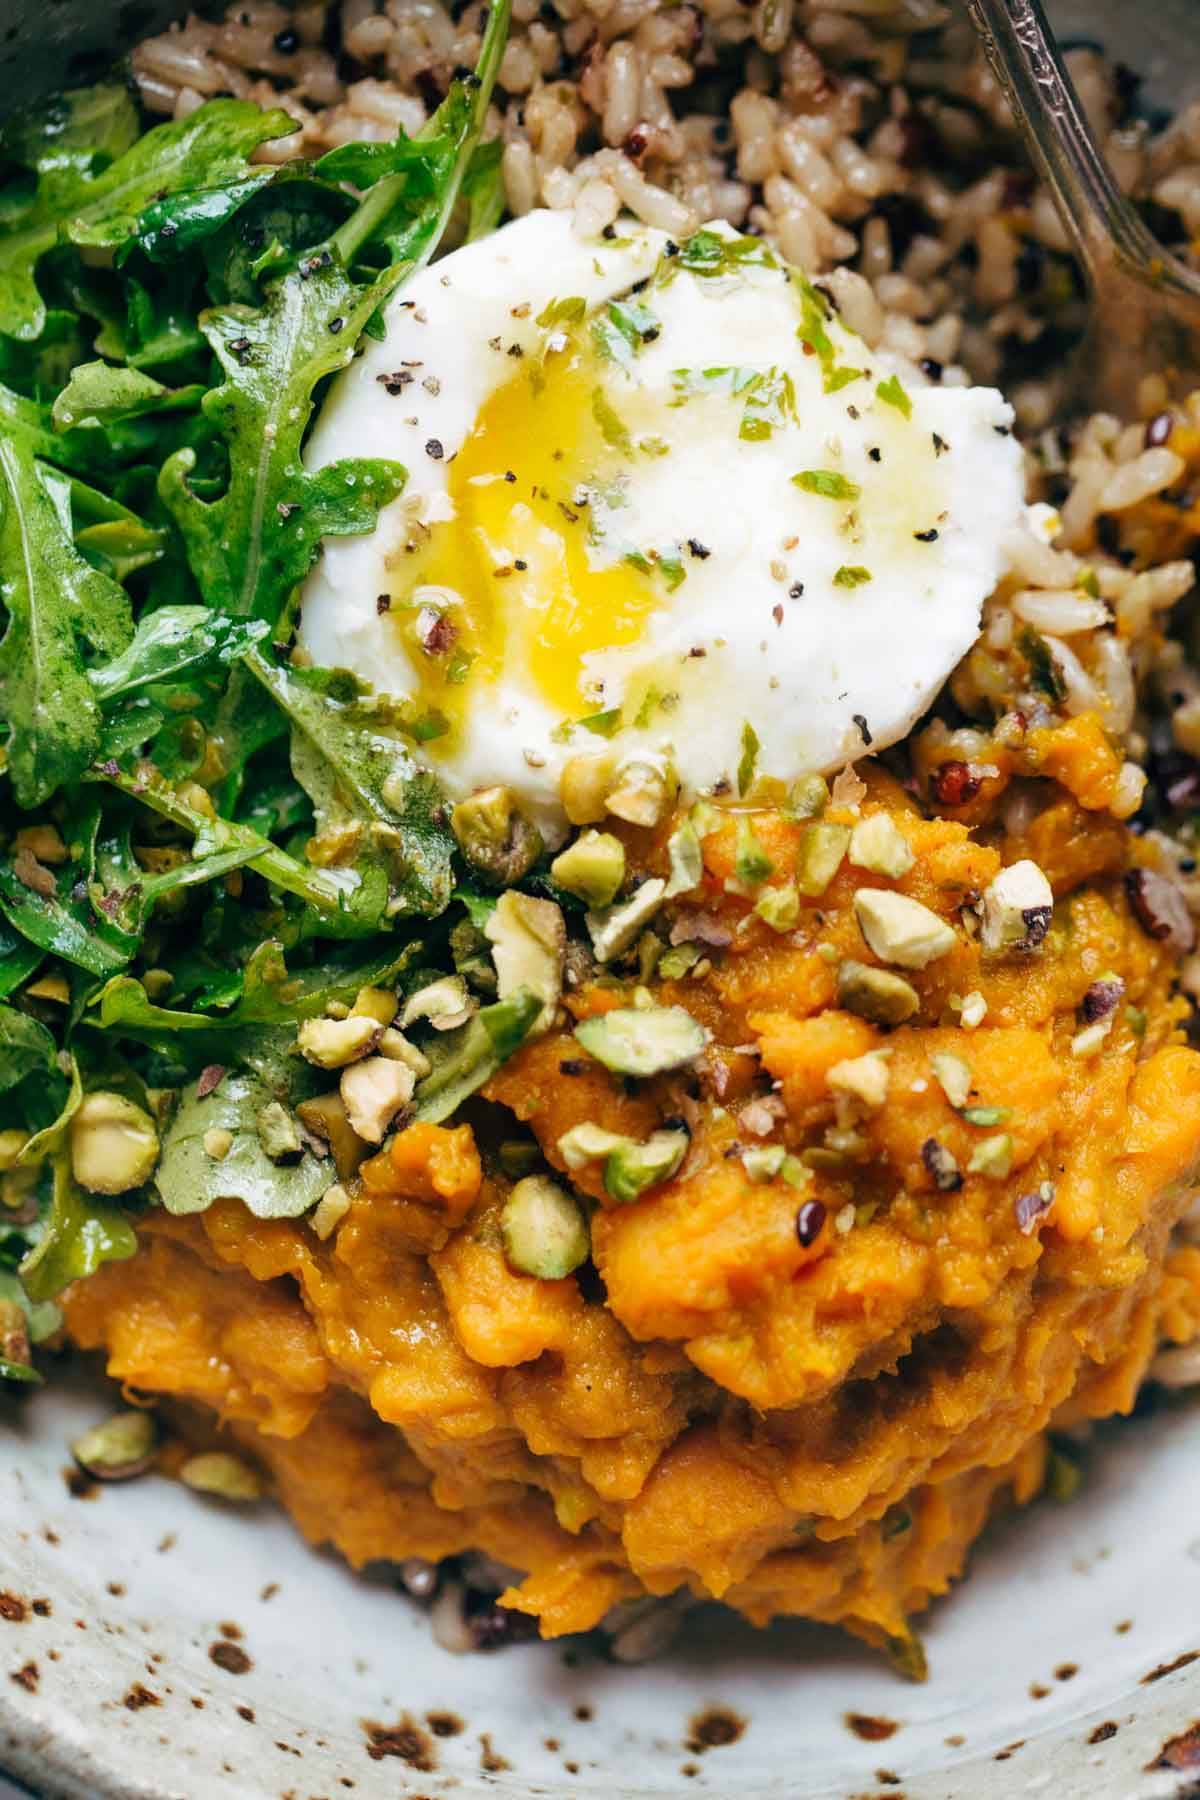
<point>659,501</point>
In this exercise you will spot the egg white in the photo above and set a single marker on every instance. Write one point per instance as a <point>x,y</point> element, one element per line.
<point>764,627</point>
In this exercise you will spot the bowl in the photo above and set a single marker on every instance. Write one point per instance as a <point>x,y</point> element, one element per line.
<point>154,1644</point>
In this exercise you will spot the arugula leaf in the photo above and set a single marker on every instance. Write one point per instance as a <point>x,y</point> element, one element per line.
<point>250,547</point>
<point>99,394</point>
<point>53,598</point>
<point>18,959</point>
<point>359,774</point>
<point>111,537</point>
<point>71,131</point>
<point>414,183</point>
<point>464,1059</point>
<point>25,1047</point>
<point>81,1232</point>
<point>189,1179</point>
<point>94,209</point>
<point>179,223</point>
<point>64,921</point>
<point>176,641</point>
<point>345,905</point>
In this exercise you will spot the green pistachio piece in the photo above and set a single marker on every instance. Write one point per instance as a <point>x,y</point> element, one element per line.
<point>808,798</point>
<point>613,928</point>
<point>226,1477</point>
<point>543,1229</point>
<point>819,857</point>
<point>953,1075</point>
<point>752,865</point>
<point>877,844</point>
<point>464,1059</point>
<point>900,930</point>
<point>875,994</point>
<point>592,868</point>
<point>779,907</point>
<point>529,942</point>
<point>643,1040</point>
<point>278,1133</point>
<point>495,836</point>
<point>122,1447</point>
<point>764,1162</point>
<point>687,860</point>
<point>633,1168</point>
<point>674,964</point>
<point>114,1144</point>
<point>445,1003</point>
<point>992,1157</point>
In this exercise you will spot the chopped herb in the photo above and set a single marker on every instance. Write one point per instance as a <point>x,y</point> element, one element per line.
<point>828,483</point>
<point>748,763</point>
<point>571,310</point>
<point>614,432</point>
<point>752,865</point>
<point>602,724</point>
<point>851,575</point>
<point>1043,670</point>
<point>892,393</point>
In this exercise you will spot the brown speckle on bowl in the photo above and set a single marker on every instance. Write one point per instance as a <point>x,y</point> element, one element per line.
<point>871,1730</point>
<point>13,1609</point>
<point>1164,1669</point>
<point>245,1712</point>
<point>713,1729</point>
<point>40,1608</point>
<point>1009,1750</point>
<point>1038,1690</point>
<point>1122,1626</point>
<point>407,1740</point>
<point>490,1760</point>
<point>228,1629</point>
<point>1066,1671</point>
<point>230,1657</point>
<point>888,1778</point>
<point>445,1724</point>
<point>1102,1733</point>
<point>80,1485</point>
<point>140,1696</point>
<point>27,1676</point>
<point>584,1714</point>
<point>1182,1752</point>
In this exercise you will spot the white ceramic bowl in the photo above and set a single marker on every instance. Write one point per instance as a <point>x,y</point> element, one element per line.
<point>153,1644</point>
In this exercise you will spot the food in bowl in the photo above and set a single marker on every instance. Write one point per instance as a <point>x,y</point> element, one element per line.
<point>597,877</point>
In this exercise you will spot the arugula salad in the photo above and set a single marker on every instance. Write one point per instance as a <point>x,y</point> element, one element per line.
<point>204,843</point>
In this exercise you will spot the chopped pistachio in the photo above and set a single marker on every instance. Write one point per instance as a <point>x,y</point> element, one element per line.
<point>529,940</point>
<point>764,1162</point>
<point>675,963</point>
<point>878,844</point>
<point>953,1075</point>
<point>779,907</point>
<point>643,1040</point>
<point>614,928</point>
<point>543,1229</point>
<point>217,1142</point>
<point>862,1078</point>
<point>687,860</point>
<point>973,1010</point>
<point>325,1116</point>
<point>114,1144</point>
<point>332,1043</point>
<point>992,1157</point>
<point>394,1045</point>
<point>752,865</point>
<point>584,786</point>
<point>120,1448</point>
<point>375,1003</point>
<point>1136,1019</point>
<point>1017,908</point>
<point>278,1133</point>
<point>900,930</point>
<point>592,868</point>
<point>808,798</point>
<point>643,792</point>
<point>373,1092</point>
<point>226,1477</point>
<point>445,1002</point>
<point>875,994</point>
<point>649,948</point>
<point>471,1055</point>
<point>495,836</point>
<point>1091,1039</point>
<point>632,1167</point>
<point>589,1143</point>
<point>329,1211</point>
<point>986,1115</point>
<point>705,818</point>
<point>819,857</point>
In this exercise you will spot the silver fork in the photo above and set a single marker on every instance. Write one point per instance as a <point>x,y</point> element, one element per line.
<point>1145,312</point>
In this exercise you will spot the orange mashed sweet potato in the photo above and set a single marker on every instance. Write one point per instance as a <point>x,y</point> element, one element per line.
<point>814,1420</point>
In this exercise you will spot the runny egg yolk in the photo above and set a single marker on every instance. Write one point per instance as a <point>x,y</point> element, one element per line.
<point>516,579</point>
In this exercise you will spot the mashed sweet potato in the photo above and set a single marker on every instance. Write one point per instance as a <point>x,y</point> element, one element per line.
<point>797,1415</point>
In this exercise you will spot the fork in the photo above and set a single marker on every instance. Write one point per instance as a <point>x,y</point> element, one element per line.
<point>1144,320</point>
